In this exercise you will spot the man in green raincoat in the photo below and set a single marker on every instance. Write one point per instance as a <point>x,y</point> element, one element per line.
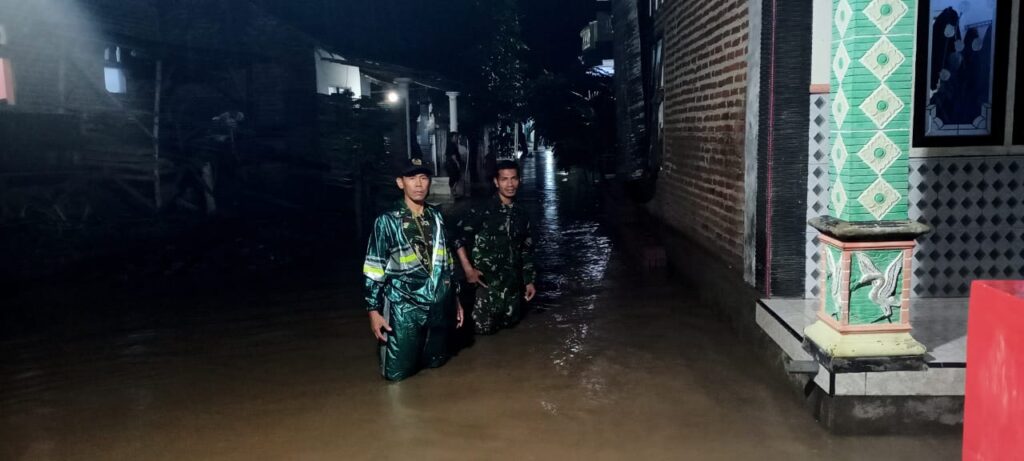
<point>409,286</point>
<point>495,247</point>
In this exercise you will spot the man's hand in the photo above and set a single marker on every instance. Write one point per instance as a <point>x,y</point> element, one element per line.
<point>377,322</point>
<point>531,291</point>
<point>473,276</point>
<point>458,314</point>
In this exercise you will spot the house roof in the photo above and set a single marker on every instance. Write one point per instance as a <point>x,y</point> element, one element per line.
<point>388,72</point>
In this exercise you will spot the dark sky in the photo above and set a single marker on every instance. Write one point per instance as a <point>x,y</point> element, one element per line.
<point>430,35</point>
<point>551,29</point>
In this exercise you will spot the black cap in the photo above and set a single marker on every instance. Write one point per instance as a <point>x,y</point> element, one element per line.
<point>406,167</point>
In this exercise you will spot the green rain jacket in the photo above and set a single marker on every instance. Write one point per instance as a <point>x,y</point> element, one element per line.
<point>395,273</point>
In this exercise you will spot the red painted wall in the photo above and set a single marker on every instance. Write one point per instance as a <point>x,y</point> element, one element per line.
<point>994,395</point>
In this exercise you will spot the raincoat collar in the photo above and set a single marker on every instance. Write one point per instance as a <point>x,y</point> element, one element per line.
<point>403,209</point>
<point>440,254</point>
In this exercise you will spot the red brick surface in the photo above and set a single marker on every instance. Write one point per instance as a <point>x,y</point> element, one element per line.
<point>700,190</point>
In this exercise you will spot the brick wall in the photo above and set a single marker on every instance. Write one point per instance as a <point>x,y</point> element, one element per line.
<point>700,190</point>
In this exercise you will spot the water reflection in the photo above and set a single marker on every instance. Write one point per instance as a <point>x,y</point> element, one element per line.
<point>549,193</point>
<point>292,376</point>
<point>245,348</point>
<point>572,255</point>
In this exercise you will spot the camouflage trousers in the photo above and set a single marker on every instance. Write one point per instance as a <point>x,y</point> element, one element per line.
<point>497,306</point>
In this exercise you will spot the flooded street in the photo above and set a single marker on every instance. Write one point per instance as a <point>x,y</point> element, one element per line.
<point>612,363</point>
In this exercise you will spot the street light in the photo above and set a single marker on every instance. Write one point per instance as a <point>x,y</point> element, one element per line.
<point>392,97</point>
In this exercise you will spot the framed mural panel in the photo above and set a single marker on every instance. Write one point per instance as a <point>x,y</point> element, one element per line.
<point>961,72</point>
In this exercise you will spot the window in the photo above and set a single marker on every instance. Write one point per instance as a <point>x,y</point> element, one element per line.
<point>114,80</point>
<point>961,73</point>
<point>113,71</point>
<point>585,34</point>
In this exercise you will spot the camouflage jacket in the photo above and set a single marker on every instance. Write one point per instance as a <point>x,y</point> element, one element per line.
<point>407,261</point>
<point>499,239</point>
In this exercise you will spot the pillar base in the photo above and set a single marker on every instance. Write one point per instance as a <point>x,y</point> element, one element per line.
<point>864,319</point>
<point>832,345</point>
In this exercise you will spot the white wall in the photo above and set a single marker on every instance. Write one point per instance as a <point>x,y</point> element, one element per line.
<point>364,84</point>
<point>333,74</point>
<point>821,42</point>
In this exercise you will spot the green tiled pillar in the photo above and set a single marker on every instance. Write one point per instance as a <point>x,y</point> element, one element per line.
<point>872,74</point>
<point>867,239</point>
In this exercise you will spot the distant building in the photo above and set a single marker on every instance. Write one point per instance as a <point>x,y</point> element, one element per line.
<point>597,39</point>
<point>639,55</point>
<point>116,110</point>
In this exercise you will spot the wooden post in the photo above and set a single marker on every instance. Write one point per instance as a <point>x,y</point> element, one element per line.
<point>157,198</point>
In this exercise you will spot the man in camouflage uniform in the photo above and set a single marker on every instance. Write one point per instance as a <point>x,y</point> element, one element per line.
<point>496,251</point>
<point>409,279</point>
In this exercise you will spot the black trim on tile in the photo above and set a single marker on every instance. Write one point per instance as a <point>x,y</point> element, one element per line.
<point>776,316</point>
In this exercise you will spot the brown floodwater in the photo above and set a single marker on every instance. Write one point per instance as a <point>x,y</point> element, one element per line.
<point>613,363</point>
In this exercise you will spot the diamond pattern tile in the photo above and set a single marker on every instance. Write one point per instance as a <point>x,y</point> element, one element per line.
<point>976,206</point>
<point>879,153</point>
<point>817,132</point>
<point>812,275</point>
<point>882,59</point>
<point>817,187</point>
<point>881,106</point>
<point>839,152</point>
<point>885,13</point>
<point>817,190</point>
<point>879,198</point>
<point>844,13</point>
<point>840,107</point>
<point>838,197</point>
<point>841,62</point>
